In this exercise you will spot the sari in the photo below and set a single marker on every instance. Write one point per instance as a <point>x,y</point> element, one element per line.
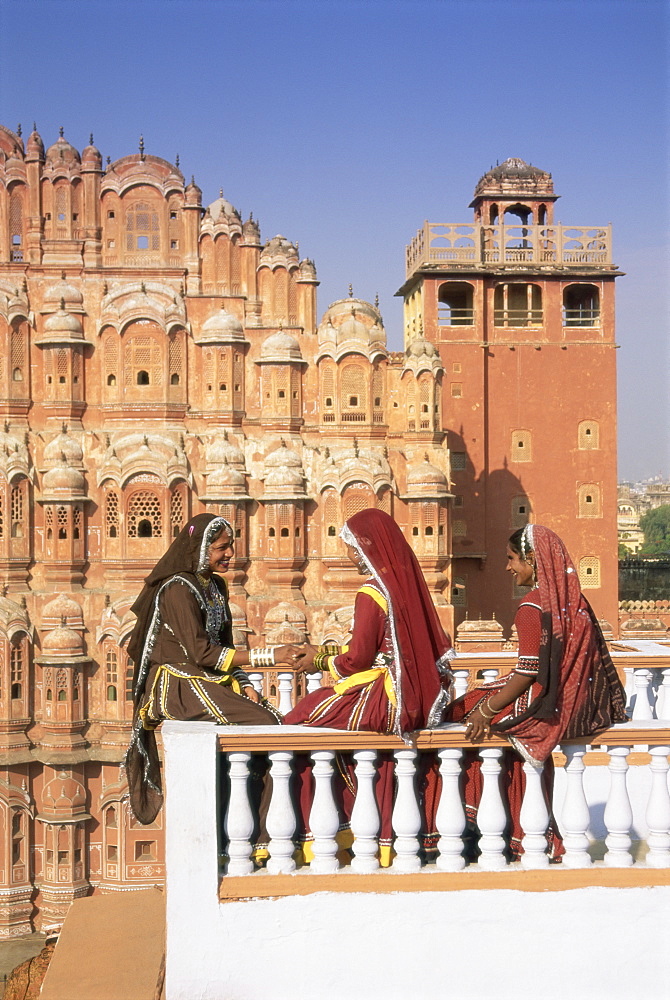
<point>575,691</point>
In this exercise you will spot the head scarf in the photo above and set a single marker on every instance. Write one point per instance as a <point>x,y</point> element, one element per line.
<point>422,649</point>
<point>580,690</point>
<point>187,556</point>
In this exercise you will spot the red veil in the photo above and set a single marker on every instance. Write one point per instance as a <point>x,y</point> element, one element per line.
<point>422,649</point>
<point>580,693</point>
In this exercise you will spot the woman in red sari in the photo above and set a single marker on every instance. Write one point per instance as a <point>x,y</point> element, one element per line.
<point>564,685</point>
<point>394,675</point>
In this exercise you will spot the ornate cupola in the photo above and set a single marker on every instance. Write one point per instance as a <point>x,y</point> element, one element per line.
<point>281,363</point>
<point>284,500</point>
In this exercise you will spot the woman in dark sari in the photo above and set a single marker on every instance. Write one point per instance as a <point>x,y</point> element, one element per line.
<point>564,685</point>
<point>186,665</point>
<point>393,676</point>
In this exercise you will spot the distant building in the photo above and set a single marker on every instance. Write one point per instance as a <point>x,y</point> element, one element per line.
<point>160,359</point>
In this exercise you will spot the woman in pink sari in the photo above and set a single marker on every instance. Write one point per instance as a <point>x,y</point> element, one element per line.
<point>564,685</point>
<point>394,675</point>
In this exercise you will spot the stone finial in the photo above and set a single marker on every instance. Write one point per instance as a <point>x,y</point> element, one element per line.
<point>376,300</point>
<point>19,130</point>
<point>109,160</point>
<point>90,139</point>
<point>62,303</point>
<point>143,288</point>
<point>176,161</point>
<point>220,191</point>
<point>105,288</point>
<point>141,147</point>
<point>351,291</point>
<point>61,132</point>
<point>34,126</point>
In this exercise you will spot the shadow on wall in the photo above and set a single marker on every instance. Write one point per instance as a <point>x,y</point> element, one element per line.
<point>487,509</point>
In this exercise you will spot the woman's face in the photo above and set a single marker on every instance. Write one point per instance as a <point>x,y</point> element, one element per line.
<point>356,560</point>
<point>523,569</point>
<point>220,553</point>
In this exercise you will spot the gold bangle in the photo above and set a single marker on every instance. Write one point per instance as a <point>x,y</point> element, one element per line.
<point>481,709</point>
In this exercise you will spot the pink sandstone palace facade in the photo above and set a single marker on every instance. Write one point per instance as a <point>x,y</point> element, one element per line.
<point>159,360</point>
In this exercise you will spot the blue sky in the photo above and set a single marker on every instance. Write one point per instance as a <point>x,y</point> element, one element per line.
<point>344,124</point>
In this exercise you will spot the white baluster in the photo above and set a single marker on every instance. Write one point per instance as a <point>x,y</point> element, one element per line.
<point>460,682</point>
<point>534,819</point>
<point>490,674</point>
<point>658,810</point>
<point>629,686</point>
<point>323,818</point>
<point>491,818</point>
<point>618,812</point>
<point>663,699</point>
<point>406,814</point>
<point>450,818</point>
<point>314,681</point>
<point>575,814</point>
<point>643,709</point>
<point>285,680</point>
<point>239,818</point>
<point>280,818</point>
<point>256,679</point>
<point>365,815</point>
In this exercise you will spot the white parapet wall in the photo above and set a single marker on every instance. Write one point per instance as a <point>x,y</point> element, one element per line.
<point>587,943</point>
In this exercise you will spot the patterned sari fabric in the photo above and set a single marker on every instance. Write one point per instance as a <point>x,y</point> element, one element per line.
<point>575,693</point>
<point>182,648</point>
<point>394,675</point>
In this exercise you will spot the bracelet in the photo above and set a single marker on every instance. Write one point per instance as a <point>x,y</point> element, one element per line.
<point>320,659</point>
<point>262,656</point>
<point>487,717</point>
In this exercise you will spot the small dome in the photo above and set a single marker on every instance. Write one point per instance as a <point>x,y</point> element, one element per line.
<point>224,450</point>
<point>222,207</point>
<point>62,607</point>
<point>63,641</point>
<point>66,446</point>
<point>349,322</point>
<point>62,325</point>
<point>308,269</point>
<point>353,329</point>
<point>251,231</point>
<point>63,795</point>
<point>428,475</point>
<point>192,193</point>
<point>62,152</point>
<point>285,612</point>
<point>514,167</point>
<point>91,156</point>
<point>420,347</point>
<point>286,479</point>
<point>35,146</point>
<point>279,250</point>
<point>283,456</point>
<point>227,476</point>
<point>63,479</point>
<point>222,326</point>
<point>281,346</point>
<point>65,292</point>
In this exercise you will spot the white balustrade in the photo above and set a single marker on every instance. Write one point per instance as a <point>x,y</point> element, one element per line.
<point>491,817</point>
<point>314,681</point>
<point>663,696</point>
<point>256,678</point>
<point>534,819</point>
<point>239,817</point>
<point>575,814</point>
<point>406,815</point>
<point>658,810</point>
<point>323,818</point>
<point>461,678</point>
<point>490,674</point>
<point>642,709</point>
<point>618,812</point>
<point>450,818</point>
<point>285,680</point>
<point>365,814</point>
<point>281,818</point>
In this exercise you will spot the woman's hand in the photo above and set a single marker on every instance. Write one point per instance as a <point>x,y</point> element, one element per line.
<point>288,655</point>
<point>304,661</point>
<point>252,694</point>
<point>477,727</point>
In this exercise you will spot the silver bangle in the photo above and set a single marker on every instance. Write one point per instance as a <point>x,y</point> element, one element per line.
<point>262,656</point>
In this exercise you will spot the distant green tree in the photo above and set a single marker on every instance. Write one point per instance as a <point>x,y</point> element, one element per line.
<point>624,551</point>
<point>656,526</point>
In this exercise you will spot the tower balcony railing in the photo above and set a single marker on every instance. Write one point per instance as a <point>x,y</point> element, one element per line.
<point>581,317</point>
<point>463,244</point>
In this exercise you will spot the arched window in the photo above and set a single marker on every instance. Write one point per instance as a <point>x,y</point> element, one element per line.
<point>581,305</point>
<point>357,496</point>
<point>16,235</point>
<point>112,513</point>
<point>144,517</point>
<point>588,435</point>
<point>458,592</point>
<point>521,512</point>
<point>588,502</point>
<point>517,304</point>
<point>353,393</point>
<point>177,503</point>
<point>142,228</point>
<point>521,449</point>
<point>327,372</point>
<point>589,572</point>
<point>455,304</point>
